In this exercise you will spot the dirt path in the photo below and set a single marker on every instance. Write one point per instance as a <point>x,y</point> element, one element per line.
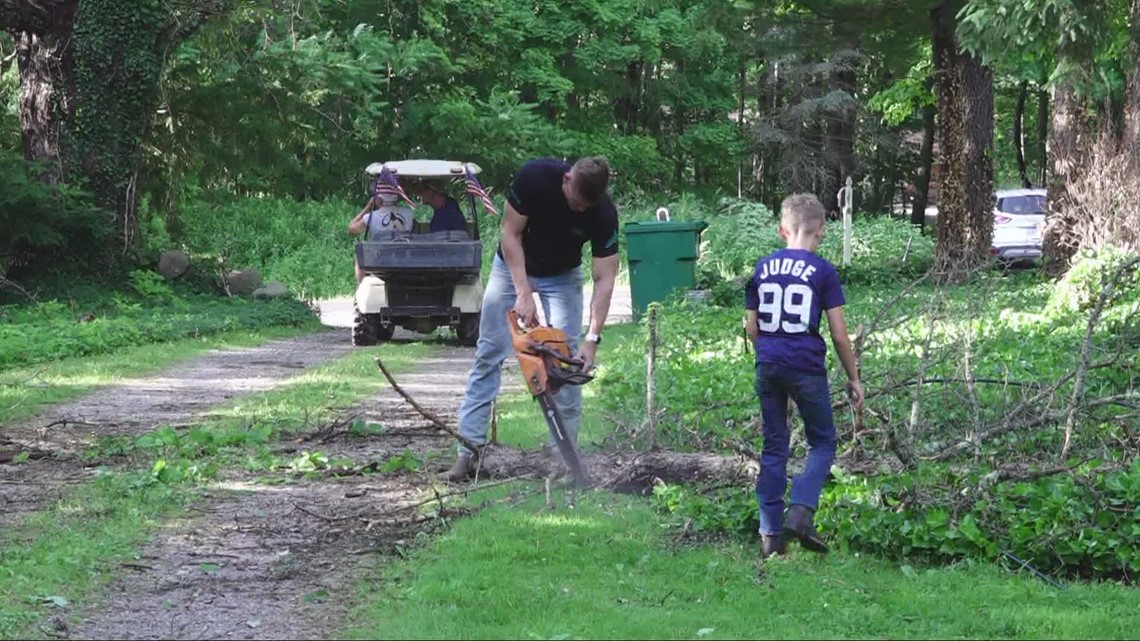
<point>251,560</point>
<point>57,437</point>
<point>268,562</point>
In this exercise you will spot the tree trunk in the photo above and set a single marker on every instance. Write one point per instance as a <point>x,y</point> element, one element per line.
<point>1018,133</point>
<point>1042,136</point>
<point>979,111</point>
<point>633,472</point>
<point>120,52</point>
<point>1067,146</point>
<point>1132,100</point>
<point>89,75</point>
<point>45,59</point>
<point>925,162</point>
<point>839,138</point>
<point>627,107</point>
<point>740,132</point>
<point>951,244</point>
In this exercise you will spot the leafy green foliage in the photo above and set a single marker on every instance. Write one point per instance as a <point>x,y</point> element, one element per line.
<point>1087,278</point>
<point>53,330</point>
<point>304,245</point>
<point>902,100</point>
<point>43,224</point>
<point>705,389</point>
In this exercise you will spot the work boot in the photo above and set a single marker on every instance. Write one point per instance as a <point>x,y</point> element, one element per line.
<point>771,544</point>
<point>463,468</point>
<point>798,522</point>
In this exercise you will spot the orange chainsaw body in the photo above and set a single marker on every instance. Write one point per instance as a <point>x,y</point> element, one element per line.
<point>543,354</point>
<point>547,366</point>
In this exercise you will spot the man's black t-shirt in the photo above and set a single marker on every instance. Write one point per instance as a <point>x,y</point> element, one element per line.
<point>555,234</point>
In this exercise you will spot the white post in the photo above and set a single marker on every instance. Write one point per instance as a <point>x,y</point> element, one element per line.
<point>845,200</point>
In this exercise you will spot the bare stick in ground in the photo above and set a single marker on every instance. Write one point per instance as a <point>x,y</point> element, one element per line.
<point>650,379</point>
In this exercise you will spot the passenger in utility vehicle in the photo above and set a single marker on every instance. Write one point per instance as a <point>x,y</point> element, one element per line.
<point>380,213</point>
<point>447,215</point>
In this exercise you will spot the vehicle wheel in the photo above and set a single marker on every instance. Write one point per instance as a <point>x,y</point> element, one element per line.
<point>468,329</point>
<point>367,330</point>
<point>364,329</point>
<point>384,334</point>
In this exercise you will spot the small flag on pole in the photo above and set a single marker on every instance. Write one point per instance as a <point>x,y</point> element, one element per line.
<point>476,190</point>
<point>388,185</point>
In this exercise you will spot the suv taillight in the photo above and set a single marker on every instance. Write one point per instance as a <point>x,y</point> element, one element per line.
<point>1001,220</point>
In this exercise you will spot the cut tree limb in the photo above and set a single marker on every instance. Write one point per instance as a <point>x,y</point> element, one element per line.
<point>429,415</point>
<point>635,473</point>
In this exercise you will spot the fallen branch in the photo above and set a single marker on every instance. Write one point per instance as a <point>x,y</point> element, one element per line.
<point>326,519</point>
<point>651,379</point>
<point>428,414</point>
<point>1106,293</point>
<point>870,328</point>
<point>64,422</point>
<point>1017,475</point>
<point>330,431</point>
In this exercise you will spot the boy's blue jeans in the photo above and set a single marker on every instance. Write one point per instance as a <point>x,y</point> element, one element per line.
<point>561,299</point>
<point>813,396</point>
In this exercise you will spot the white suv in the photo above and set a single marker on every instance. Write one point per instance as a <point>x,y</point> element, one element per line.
<point>1019,220</point>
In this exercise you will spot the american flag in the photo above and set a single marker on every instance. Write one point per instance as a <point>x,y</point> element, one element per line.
<point>387,185</point>
<point>476,190</point>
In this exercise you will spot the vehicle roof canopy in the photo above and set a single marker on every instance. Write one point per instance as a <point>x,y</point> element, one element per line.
<point>424,168</point>
<point>1014,193</point>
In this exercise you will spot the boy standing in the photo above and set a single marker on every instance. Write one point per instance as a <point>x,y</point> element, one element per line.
<point>788,293</point>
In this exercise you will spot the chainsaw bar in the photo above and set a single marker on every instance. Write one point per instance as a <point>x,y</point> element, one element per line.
<point>547,366</point>
<point>561,439</point>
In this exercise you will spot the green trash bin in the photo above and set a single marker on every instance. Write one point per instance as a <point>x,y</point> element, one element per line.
<point>662,257</point>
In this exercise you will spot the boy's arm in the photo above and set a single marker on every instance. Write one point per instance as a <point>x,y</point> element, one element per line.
<point>752,306</point>
<point>838,326</point>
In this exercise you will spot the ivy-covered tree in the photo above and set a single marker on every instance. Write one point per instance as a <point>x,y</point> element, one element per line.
<point>89,82</point>
<point>965,104</point>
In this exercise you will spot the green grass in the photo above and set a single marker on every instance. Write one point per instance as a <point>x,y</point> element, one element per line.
<point>73,548</point>
<point>608,569</point>
<point>68,552</point>
<point>316,395</point>
<point>52,330</point>
<point>25,390</point>
<point>242,432</point>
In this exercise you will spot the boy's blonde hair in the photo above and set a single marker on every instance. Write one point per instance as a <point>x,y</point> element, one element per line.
<point>802,213</point>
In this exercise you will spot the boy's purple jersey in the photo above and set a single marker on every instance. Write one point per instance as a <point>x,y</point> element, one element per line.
<point>790,290</point>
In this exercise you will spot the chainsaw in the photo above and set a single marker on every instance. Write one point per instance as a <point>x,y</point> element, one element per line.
<point>547,366</point>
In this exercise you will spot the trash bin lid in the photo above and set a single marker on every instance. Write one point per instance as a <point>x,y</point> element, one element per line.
<point>665,226</point>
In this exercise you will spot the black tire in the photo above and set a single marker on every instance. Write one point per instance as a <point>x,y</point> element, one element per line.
<point>468,329</point>
<point>363,330</point>
<point>384,333</point>
<point>367,330</point>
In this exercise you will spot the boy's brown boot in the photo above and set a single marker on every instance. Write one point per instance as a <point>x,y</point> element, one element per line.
<point>771,544</point>
<point>798,523</point>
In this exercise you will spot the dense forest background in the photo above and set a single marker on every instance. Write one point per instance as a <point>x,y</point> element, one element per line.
<point>129,113</point>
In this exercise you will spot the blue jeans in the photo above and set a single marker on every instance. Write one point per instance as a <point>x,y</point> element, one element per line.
<point>561,299</point>
<point>813,396</point>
